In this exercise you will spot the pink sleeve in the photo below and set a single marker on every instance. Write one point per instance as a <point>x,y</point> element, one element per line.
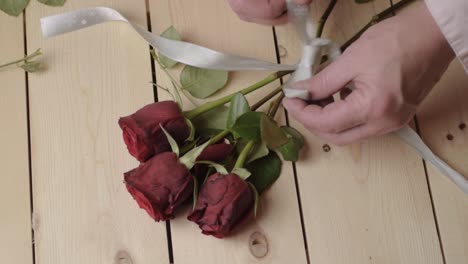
<point>452,18</point>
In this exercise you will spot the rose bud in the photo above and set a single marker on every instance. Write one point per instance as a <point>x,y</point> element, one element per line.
<point>214,153</point>
<point>224,200</point>
<point>160,185</point>
<point>142,131</point>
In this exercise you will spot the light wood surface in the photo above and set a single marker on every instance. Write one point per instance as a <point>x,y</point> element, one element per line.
<point>443,114</point>
<point>368,202</point>
<point>84,213</point>
<point>276,235</point>
<point>15,220</point>
<point>371,202</point>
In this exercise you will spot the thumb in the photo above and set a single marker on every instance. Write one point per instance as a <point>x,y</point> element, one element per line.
<point>328,81</point>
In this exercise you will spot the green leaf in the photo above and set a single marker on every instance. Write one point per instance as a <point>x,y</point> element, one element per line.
<point>242,173</point>
<point>290,150</point>
<point>31,66</point>
<point>191,136</point>
<point>171,140</point>
<point>256,197</point>
<point>218,167</point>
<point>265,171</point>
<point>52,2</point>
<point>13,7</point>
<point>271,133</point>
<point>211,122</point>
<point>202,83</point>
<point>169,33</point>
<point>190,157</point>
<point>238,107</point>
<point>260,150</point>
<point>362,1</point>
<point>247,126</point>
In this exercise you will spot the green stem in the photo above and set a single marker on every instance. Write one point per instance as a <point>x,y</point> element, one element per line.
<point>243,155</point>
<point>324,18</point>
<point>219,136</point>
<point>226,99</point>
<point>276,105</point>
<point>266,98</point>
<point>376,19</point>
<point>31,56</point>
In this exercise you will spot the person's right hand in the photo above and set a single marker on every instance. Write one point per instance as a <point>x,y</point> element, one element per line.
<point>267,12</point>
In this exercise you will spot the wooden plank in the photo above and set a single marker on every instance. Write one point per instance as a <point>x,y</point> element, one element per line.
<point>84,213</point>
<point>214,25</point>
<point>368,202</point>
<point>15,223</point>
<point>443,114</point>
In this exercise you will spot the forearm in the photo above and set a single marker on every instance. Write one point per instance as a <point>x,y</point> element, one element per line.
<point>452,18</point>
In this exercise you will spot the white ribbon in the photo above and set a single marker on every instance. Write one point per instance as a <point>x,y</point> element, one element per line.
<point>198,56</point>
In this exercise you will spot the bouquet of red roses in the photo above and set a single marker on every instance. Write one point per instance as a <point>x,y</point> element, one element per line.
<point>223,170</point>
<point>222,157</point>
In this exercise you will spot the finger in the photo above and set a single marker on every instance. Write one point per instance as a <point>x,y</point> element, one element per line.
<point>270,22</point>
<point>348,136</point>
<point>262,10</point>
<point>330,80</point>
<point>333,118</point>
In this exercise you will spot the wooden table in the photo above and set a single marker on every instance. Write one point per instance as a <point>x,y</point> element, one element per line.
<point>62,157</point>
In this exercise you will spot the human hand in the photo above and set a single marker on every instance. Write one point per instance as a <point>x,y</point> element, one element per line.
<point>268,12</point>
<point>392,68</point>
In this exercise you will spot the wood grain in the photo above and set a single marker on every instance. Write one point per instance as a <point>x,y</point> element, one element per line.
<point>368,202</point>
<point>15,223</point>
<point>276,235</point>
<point>443,114</point>
<point>83,211</point>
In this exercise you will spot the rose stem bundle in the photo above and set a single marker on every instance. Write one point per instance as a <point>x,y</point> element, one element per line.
<point>223,100</point>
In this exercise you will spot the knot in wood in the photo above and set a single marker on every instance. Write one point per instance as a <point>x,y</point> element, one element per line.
<point>122,257</point>
<point>258,245</point>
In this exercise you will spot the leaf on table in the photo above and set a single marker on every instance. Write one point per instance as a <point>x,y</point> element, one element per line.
<point>265,171</point>
<point>53,2</point>
<point>238,107</point>
<point>31,66</point>
<point>13,7</point>
<point>247,126</point>
<point>201,83</point>
<point>211,122</point>
<point>362,1</point>
<point>271,133</point>
<point>290,151</point>
<point>169,33</point>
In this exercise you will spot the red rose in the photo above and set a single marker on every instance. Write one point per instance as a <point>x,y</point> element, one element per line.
<point>142,131</point>
<point>215,153</point>
<point>160,185</point>
<point>224,200</point>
